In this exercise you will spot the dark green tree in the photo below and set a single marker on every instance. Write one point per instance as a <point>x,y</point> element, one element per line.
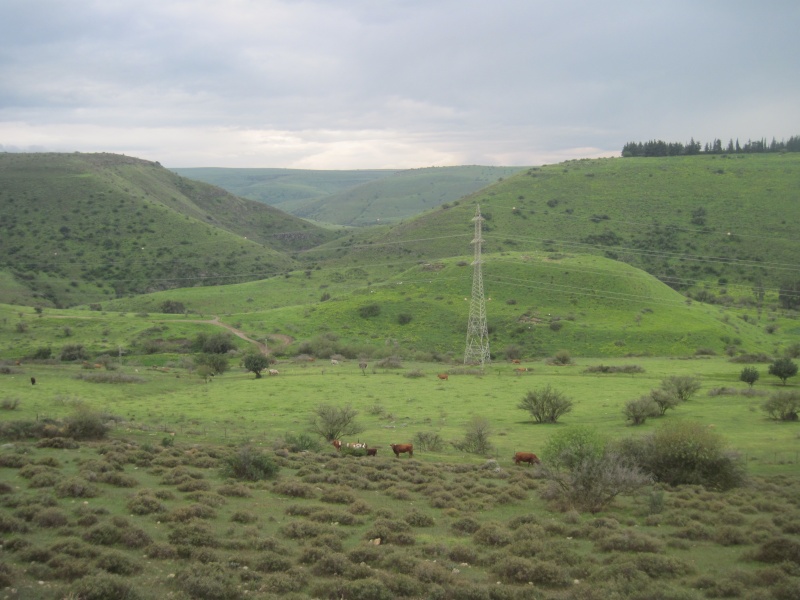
<point>216,364</point>
<point>749,375</point>
<point>255,362</point>
<point>783,368</point>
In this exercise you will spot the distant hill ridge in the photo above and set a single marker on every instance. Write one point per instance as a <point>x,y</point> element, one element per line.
<point>353,197</point>
<point>79,227</point>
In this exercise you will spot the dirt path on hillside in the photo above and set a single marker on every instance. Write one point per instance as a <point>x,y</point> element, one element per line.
<point>241,334</point>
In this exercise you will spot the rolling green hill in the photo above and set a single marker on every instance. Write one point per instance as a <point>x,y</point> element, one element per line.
<point>537,304</point>
<point>77,228</point>
<point>354,198</point>
<point>716,225</point>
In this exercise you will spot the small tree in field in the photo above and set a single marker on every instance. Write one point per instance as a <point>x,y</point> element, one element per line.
<point>585,473</point>
<point>546,405</point>
<point>333,422</point>
<point>664,400</point>
<point>682,386</point>
<point>637,411</point>
<point>749,375</point>
<point>255,363</point>
<point>476,437</point>
<point>783,406</point>
<point>783,368</point>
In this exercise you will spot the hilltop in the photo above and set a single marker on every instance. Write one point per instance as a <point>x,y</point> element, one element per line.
<point>721,227</point>
<point>77,228</point>
<point>353,198</point>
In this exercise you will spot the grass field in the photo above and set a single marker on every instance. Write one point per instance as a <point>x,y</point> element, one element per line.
<point>237,408</point>
<point>150,514</point>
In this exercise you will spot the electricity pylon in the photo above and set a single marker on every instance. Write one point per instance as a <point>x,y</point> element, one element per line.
<point>477,351</point>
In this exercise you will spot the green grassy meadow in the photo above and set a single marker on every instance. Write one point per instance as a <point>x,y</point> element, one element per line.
<point>238,408</point>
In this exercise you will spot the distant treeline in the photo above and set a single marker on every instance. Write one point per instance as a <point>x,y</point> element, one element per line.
<point>661,148</point>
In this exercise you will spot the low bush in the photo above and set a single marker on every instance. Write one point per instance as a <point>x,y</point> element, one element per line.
<point>104,587</point>
<point>686,453</point>
<point>428,441</point>
<point>250,464</point>
<point>208,582</point>
<point>546,405</point>
<point>783,406</point>
<point>639,410</point>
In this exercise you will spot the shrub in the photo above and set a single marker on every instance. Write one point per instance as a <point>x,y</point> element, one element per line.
<point>215,343</point>
<point>301,442</point>
<point>76,487</point>
<point>429,441</point>
<point>72,352</point>
<point>104,587</point>
<point>208,582</point>
<point>584,471</point>
<point>778,550</point>
<point>686,453</point>
<point>749,375</point>
<point>86,425</point>
<point>118,563</point>
<point>783,406</point>
<point>9,403</point>
<point>211,364</point>
<point>562,357</point>
<point>333,422</point>
<point>369,310</point>
<point>638,411</point>
<point>681,386</point>
<point>664,399</point>
<point>546,405</point>
<point>783,369</point>
<point>404,318</point>
<point>294,489</point>
<point>250,464</point>
<point>476,437</point>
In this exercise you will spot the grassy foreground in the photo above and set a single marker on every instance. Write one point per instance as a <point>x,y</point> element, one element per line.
<point>147,514</point>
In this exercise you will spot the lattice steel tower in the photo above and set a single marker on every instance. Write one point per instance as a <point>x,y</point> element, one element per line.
<point>477,351</point>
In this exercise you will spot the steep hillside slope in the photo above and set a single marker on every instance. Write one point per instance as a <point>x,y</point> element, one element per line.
<point>729,224</point>
<point>75,228</point>
<point>355,198</point>
<point>536,304</point>
<point>278,187</point>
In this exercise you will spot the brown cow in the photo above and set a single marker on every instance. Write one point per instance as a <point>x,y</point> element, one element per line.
<point>372,452</point>
<point>442,376</point>
<point>526,457</point>
<point>337,444</point>
<point>515,361</point>
<point>399,449</point>
<point>520,370</point>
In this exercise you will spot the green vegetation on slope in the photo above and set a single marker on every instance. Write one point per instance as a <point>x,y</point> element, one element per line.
<point>720,226</point>
<point>77,228</point>
<point>354,198</point>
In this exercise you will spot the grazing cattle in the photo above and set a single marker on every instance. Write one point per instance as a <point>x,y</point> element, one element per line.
<point>356,445</point>
<point>399,449</point>
<point>337,444</point>
<point>273,372</point>
<point>519,370</point>
<point>33,380</point>
<point>363,366</point>
<point>515,361</point>
<point>372,452</point>
<point>442,376</point>
<point>98,366</point>
<point>19,363</point>
<point>526,457</point>
<point>334,362</point>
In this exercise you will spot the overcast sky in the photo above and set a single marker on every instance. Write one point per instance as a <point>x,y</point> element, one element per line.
<point>346,84</point>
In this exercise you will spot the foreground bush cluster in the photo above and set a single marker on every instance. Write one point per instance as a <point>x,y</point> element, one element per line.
<point>116,519</point>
